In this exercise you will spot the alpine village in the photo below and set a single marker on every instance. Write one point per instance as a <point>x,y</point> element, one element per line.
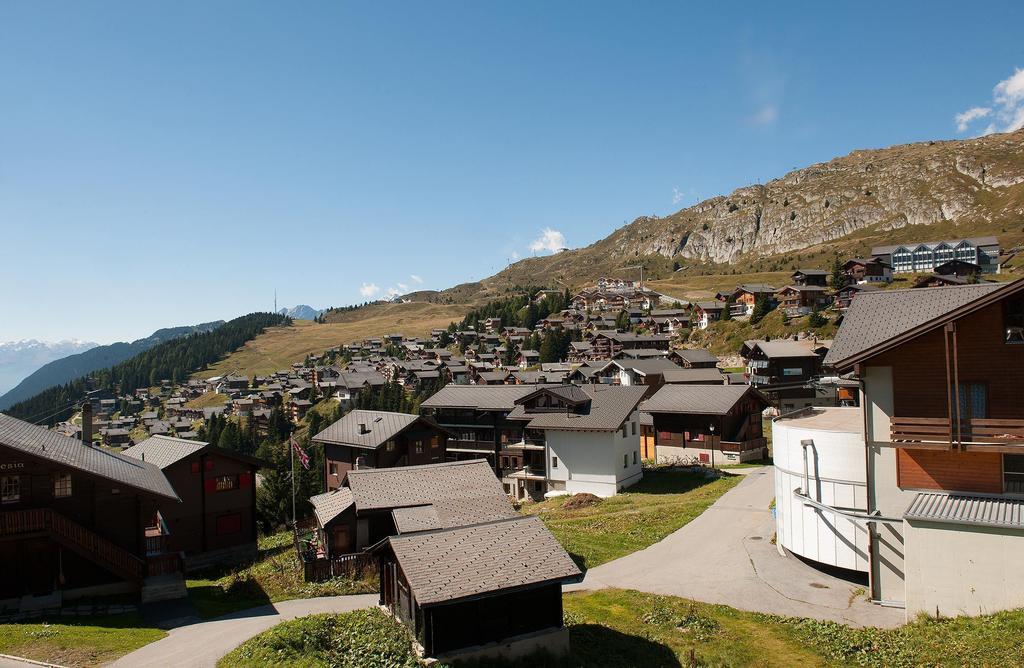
<point>778,427</point>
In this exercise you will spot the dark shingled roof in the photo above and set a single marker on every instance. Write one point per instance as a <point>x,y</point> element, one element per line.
<point>42,443</point>
<point>700,375</point>
<point>700,399</point>
<point>696,355</point>
<point>164,450</point>
<point>445,566</point>
<point>610,406</point>
<point>381,426</point>
<point>329,505</point>
<point>480,397</point>
<point>461,491</point>
<point>876,317</point>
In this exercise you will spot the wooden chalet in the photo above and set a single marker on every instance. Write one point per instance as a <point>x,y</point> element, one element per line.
<point>867,270</point>
<point>76,519</point>
<point>708,424</point>
<point>215,521</point>
<point>379,439</point>
<point>810,277</point>
<point>797,300</point>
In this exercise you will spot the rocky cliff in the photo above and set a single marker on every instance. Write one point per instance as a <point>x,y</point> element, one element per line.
<point>966,187</point>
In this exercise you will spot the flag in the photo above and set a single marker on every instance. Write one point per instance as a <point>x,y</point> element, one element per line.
<point>300,453</point>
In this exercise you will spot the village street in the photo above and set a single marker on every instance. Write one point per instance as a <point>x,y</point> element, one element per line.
<point>726,556</point>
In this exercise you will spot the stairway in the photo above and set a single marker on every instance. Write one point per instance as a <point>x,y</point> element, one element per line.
<point>163,588</point>
<point>74,536</point>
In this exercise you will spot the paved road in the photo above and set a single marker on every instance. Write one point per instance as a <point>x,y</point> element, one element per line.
<point>204,643</point>
<point>726,556</point>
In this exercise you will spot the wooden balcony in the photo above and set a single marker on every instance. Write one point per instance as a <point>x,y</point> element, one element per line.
<point>976,434</point>
<point>743,446</point>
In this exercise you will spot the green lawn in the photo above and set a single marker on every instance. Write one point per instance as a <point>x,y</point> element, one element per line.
<point>615,628</point>
<point>91,641</point>
<point>661,503</point>
<point>274,576</point>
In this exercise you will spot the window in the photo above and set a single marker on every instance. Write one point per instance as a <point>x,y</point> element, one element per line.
<point>226,483</point>
<point>623,430</point>
<point>390,446</point>
<point>635,456</point>
<point>625,460</point>
<point>1013,474</point>
<point>418,447</point>
<point>229,524</point>
<point>554,462</point>
<point>1013,319</point>
<point>10,489</point>
<point>504,462</point>
<point>332,468</point>
<point>633,427</point>
<point>62,485</point>
<point>973,400</point>
<point>433,443</point>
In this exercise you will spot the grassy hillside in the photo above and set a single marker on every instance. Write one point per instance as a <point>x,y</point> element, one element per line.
<point>278,347</point>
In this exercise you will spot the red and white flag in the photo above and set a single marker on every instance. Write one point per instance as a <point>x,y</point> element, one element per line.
<point>300,453</point>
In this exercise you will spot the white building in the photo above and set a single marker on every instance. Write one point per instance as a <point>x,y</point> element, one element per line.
<point>591,436</point>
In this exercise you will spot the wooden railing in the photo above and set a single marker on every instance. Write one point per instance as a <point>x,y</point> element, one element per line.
<point>353,566</point>
<point>163,564</point>
<point>75,536</point>
<point>744,446</point>
<point>990,434</point>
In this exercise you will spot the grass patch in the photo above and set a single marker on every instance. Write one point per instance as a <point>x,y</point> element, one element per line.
<point>661,503</point>
<point>207,400</point>
<point>92,641</point>
<point>274,576</point>
<point>359,639</point>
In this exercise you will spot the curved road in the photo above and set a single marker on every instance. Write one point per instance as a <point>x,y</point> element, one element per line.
<point>204,643</point>
<point>726,556</point>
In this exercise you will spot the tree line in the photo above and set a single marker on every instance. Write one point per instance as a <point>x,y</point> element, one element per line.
<point>172,360</point>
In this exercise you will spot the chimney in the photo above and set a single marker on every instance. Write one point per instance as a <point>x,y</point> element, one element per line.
<point>87,422</point>
<point>363,429</point>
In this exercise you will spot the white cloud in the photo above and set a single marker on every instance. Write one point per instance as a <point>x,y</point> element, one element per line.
<point>416,279</point>
<point>369,290</point>
<point>549,240</point>
<point>392,292</point>
<point>965,118</point>
<point>1007,107</point>
<point>766,115</point>
<point>515,255</point>
<point>677,195</point>
<point>403,287</point>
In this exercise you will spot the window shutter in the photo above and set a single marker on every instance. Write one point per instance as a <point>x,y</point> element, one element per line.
<point>244,480</point>
<point>211,485</point>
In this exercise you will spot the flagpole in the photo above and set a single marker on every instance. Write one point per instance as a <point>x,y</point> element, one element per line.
<point>291,450</point>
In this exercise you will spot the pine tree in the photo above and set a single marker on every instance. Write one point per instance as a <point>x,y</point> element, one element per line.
<point>761,308</point>
<point>838,279</point>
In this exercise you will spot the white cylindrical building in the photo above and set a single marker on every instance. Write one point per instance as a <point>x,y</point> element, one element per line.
<point>836,471</point>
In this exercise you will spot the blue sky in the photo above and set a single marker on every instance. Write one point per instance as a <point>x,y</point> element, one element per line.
<point>171,163</point>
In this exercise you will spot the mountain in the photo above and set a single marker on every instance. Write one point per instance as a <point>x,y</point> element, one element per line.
<point>924,191</point>
<point>20,358</point>
<point>74,366</point>
<point>301,312</point>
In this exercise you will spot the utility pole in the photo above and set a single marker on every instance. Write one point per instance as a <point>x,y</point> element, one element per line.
<point>275,300</point>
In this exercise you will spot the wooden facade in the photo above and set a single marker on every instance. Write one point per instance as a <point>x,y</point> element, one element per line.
<point>420,444</point>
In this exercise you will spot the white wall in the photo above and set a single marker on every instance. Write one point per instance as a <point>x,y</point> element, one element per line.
<point>837,476</point>
<point>962,570</point>
<point>591,461</point>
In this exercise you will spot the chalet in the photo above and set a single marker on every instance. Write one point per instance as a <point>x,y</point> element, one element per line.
<point>528,358</point>
<point>867,270</point>
<point>810,277</point>
<point>698,376</point>
<point>704,313</point>
<point>590,435</point>
<point>693,358</point>
<point>942,428</point>
<point>844,295</point>
<point>783,369</point>
<point>797,300</point>
<point>920,257</point>
<point>215,522</point>
<point>646,372</point>
<point>744,297</point>
<point>298,408</point>
<point>492,377</point>
<point>458,564</point>
<point>939,281</point>
<point>379,439</point>
<point>708,424</point>
<point>486,591</point>
<point>116,437</point>
<point>580,351</point>
<point>959,268</point>
<point>77,520</point>
<point>372,504</point>
<point>606,344</point>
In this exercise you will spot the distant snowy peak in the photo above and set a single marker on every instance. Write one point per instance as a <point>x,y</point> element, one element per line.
<point>301,312</point>
<point>20,358</point>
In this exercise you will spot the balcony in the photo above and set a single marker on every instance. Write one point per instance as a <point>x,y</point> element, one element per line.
<point>738,447</point>
<point>524,473</point>
<point>976,434</point>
